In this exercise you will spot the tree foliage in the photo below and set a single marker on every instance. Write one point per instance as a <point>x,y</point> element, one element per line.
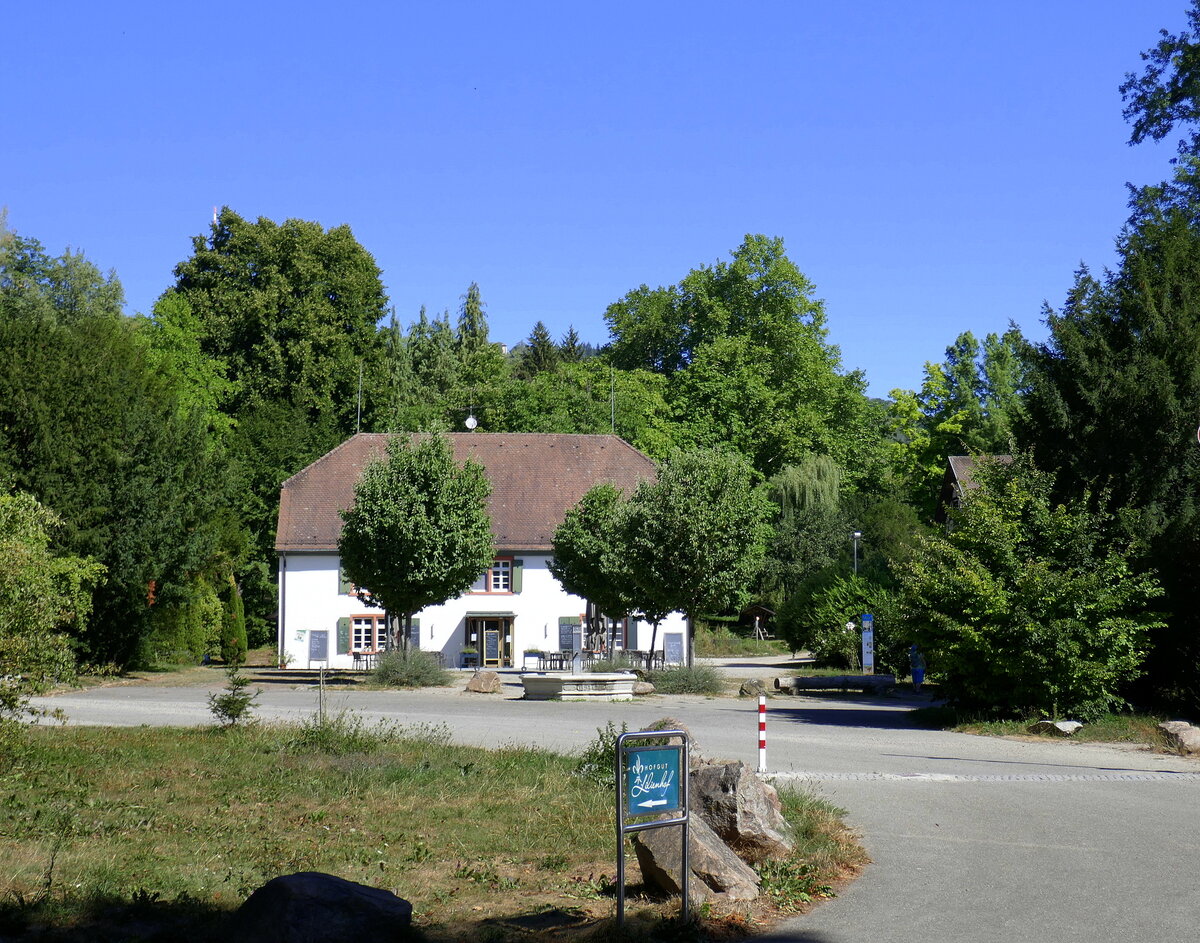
<point>45,596</point>
<point>93,425</point>
<point>745,345</point>
<point>1024,605</point>
<point>418,532</point>
<point>1167,93</point>
<point>288,309</point>
<point>589,558</point>
<point>696,536</point>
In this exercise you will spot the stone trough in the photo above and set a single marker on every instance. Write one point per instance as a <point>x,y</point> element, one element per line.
<point>585,686</point>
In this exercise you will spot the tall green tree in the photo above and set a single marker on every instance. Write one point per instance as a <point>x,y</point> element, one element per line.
<point>539,354</point>
<point>418,532</point>
<point>1112,407</point>
<point>93,425</point>
<point>745,345</point>
<point>697,535</point>
<point>1167,93</point>
<point>290,310</point>
<point>590,559</point>
<point>970,403</point>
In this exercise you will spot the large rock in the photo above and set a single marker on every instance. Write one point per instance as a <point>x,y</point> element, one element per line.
<point>484,682</point>
<point>717,874</point>
<point>311,907</point>
<point>753,687</point>
<point>1055,728</point>
<point>1180,735</point>
<point>642,688</point>
<point>742,809</point>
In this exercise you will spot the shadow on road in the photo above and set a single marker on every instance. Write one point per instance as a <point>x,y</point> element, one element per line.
<point>880,715</point>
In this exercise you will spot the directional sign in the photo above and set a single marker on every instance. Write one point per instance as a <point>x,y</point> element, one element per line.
<point>652,780</point>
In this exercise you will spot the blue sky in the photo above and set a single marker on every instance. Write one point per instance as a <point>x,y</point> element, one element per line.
<point>933,167</point>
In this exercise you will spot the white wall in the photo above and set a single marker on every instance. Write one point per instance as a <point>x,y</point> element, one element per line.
<point>309,601</point>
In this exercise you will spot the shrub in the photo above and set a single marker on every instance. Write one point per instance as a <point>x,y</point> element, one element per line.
<point>410,668</point>
<point>682,679</point>
<point>598,760</point>
<point>1026,606</point>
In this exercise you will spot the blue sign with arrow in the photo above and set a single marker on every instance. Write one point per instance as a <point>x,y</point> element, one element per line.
<point>652,780</point>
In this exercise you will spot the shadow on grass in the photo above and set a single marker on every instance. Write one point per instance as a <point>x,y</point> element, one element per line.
<point>103,918</point>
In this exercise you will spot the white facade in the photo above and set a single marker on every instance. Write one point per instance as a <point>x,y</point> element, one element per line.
<point>518,606</point>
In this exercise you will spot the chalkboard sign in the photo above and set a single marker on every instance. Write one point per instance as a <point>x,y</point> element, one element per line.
<point>491,647</point>
<point>568,634</point>
<point>673,647</point>
<point>318,646</point>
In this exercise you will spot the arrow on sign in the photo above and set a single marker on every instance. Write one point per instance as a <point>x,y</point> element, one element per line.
<point>650,803</point>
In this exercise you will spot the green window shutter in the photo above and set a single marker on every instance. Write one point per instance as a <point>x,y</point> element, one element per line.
<point>343,636</point>
<point>344,585</point>
<point>517,567</point>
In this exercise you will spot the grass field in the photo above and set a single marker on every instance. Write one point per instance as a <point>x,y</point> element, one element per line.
<point>169,829</point>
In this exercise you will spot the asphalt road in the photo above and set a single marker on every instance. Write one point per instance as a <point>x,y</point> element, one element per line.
<point>972,838</point>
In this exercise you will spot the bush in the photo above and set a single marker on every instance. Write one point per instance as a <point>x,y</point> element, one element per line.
<point>410,668</point>
<point>1025,606</point>
<point>681,679</point>
<point>598,760</point>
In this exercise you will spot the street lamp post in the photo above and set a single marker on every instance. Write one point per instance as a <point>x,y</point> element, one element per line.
<point>857,535</point>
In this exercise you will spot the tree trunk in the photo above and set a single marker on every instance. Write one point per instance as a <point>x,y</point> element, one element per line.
<point>689,642</point>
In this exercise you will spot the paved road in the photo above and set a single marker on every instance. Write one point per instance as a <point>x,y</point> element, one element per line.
<point>973,839</point>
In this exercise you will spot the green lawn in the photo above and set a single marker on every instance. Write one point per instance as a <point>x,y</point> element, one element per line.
<point>178,826</point>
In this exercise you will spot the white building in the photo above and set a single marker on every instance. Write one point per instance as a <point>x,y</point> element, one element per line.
<point>517,605</point>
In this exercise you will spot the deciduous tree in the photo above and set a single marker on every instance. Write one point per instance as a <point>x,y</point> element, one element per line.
<point>418,532</point>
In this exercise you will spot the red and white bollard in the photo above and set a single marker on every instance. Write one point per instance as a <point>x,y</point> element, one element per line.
<point>762,733</point>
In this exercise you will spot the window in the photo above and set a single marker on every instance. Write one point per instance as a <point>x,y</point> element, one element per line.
<point>367,633</point>
<point>497,579</point>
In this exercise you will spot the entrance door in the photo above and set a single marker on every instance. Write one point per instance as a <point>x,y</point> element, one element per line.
<point>495,639</point>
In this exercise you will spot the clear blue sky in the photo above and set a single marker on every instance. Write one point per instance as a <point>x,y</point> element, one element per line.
<point>933,166</point>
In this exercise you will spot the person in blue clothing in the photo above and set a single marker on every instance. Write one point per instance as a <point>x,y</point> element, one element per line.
<point>916,662</point>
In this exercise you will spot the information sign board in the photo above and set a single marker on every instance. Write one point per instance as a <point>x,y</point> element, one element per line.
<point>318,646</point>
<point>868,643</point>
<point>652,780</point>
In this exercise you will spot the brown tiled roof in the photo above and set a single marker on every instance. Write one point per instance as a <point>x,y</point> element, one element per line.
<point>959,478</point>
<point>536,478</point>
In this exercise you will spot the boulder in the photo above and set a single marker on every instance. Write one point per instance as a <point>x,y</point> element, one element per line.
<point>753,688</point>
<point>742,809</point>
<point>1055,728</point>
<point>643,687</point>
<point>1181,736</point>
<point>717,874</point>
<point>484,682</point>
<point>311,907</point>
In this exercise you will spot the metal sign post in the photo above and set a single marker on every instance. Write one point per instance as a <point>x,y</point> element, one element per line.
<point>651,780</point>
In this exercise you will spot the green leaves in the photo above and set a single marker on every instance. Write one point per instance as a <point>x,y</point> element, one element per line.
<point>1023,606</point>
<point>418,532</point>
